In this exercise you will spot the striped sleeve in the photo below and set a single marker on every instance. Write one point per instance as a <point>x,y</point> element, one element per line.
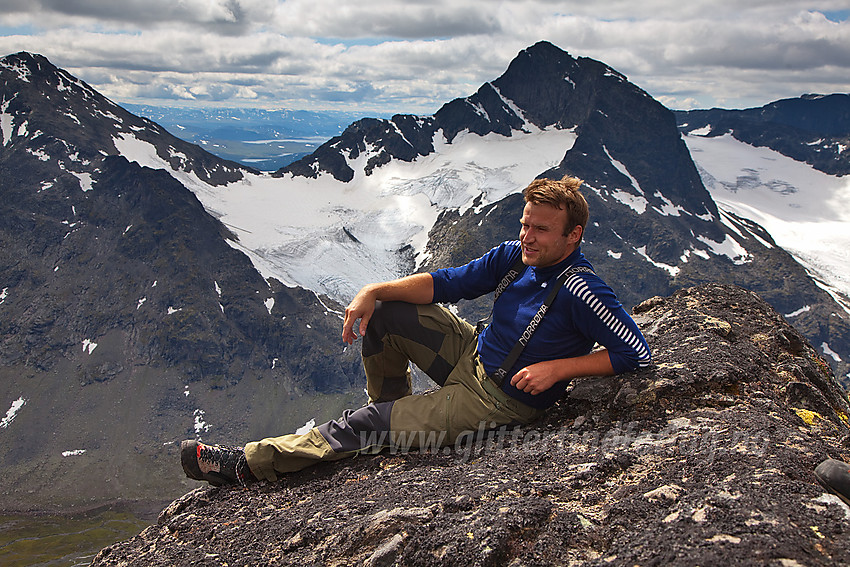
<point>598,314</point>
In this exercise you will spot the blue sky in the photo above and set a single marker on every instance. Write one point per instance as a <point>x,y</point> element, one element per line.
<point>837,15</point>
<point>413,56</point>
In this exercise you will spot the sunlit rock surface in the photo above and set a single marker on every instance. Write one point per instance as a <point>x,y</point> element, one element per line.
<point>704,458</point>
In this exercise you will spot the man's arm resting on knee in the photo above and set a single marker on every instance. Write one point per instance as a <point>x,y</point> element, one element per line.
<point>417,288</point>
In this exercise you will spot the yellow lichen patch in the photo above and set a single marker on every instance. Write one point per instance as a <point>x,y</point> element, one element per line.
<point>785,375</point>
<point>760,338</point>
<point>843,417</point>
<point>719,326</point>
<point>807,415</point>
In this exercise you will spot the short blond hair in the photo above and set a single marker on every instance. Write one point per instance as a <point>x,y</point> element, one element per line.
<point>561,194</point>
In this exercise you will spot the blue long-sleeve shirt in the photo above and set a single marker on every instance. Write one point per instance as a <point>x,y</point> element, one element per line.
<point>585,312</point>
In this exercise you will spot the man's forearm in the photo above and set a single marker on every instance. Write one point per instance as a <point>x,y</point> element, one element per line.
<point>597,363</point>
<point>417,288</point>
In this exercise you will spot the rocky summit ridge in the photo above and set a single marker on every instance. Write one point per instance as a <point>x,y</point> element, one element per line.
<point>127,317</point>
<point>705,458</point>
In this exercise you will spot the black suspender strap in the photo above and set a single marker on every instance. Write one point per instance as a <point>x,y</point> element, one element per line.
<point>499,375</point>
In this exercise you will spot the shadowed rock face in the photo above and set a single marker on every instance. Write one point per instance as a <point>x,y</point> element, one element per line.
<point>706,457</point>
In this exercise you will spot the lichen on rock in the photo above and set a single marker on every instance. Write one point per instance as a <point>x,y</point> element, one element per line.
<point>704,458</point>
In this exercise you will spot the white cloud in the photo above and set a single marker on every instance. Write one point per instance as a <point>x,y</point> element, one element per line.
<point>415,55</point>
<point>225,16</point>
<point>388,19</point>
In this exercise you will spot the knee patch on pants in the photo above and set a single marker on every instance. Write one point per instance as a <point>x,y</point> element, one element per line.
<point>364,428</point>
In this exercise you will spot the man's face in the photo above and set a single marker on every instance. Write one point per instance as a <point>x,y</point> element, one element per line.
<point>542,235</point>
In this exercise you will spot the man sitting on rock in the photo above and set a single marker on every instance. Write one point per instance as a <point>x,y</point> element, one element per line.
<point>509,373</point>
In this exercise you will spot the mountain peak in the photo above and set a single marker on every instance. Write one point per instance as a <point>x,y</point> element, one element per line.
<point>50,113</point>
<point>543,87</point>
<point>33,74</point>
<point>26,63</point>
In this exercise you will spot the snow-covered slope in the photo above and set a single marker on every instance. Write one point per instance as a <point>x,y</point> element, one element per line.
<point>333,237</point>
<point>806,211</point>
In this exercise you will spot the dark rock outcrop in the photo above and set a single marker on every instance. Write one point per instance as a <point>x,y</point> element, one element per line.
<point>704,458</point>
<point>814,129</point>
<point>127,310</point>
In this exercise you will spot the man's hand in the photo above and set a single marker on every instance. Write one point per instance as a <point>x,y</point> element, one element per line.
<point>539,377</point>
<point>418,288</point>
<point>361,307</point>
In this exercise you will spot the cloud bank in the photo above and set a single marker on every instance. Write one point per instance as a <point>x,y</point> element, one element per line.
<point>414,55</point>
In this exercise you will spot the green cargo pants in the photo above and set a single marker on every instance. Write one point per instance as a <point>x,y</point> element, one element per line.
<point>444,346</point>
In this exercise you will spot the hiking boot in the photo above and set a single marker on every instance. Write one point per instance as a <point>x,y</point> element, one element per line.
<point>835,477</point>
<point>216,464</point>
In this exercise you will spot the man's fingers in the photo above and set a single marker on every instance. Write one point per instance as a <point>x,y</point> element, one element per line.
<point>522,380</point>
<point>517,378</point>
<point>348,334</point>
<point>364,323</point>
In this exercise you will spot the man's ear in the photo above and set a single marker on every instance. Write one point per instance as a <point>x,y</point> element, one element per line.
<point>574,237</point>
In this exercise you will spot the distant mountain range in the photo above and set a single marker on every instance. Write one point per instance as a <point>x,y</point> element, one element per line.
<point>151,291</point>
<point>262,139</point>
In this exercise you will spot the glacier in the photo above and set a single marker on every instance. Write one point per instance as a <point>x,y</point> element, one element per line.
<point>805,210</point>
<point>332,237</point>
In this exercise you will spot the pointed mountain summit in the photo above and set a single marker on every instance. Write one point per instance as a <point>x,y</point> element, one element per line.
<point>543,87</point>
<point>46,105</point>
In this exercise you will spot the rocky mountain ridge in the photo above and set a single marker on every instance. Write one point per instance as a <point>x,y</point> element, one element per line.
<point>704,458</point>
<point>813,129</point>
<point>126,316</point>
<point>543,87</point>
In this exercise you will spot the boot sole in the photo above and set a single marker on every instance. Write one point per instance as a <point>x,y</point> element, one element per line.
<point>189,461</point>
